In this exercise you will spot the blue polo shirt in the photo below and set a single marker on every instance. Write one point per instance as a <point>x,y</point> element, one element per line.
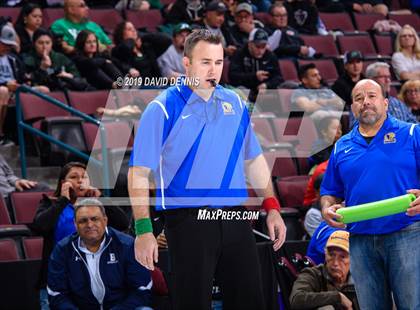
<point>360,173</point>
<point>195,148</point>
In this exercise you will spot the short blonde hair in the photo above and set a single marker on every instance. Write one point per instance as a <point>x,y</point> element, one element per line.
<point>406,86</point>
<point>416,48</point>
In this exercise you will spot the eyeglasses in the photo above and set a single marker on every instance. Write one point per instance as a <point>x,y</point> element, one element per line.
<point>388,77</point>
<point>407,36</point>
<point>412,91</point>
<point>85,220</point>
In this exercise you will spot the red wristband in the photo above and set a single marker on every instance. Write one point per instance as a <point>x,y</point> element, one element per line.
<point>271,203</point>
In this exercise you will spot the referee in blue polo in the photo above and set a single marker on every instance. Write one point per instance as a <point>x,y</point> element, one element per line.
<point>196,140</point>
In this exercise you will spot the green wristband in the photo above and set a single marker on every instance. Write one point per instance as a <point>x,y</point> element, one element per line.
<point>143,226</point>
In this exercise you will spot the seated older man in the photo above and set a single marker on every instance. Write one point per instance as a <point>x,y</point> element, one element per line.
<point>328,285</point>
<point>95,267</point>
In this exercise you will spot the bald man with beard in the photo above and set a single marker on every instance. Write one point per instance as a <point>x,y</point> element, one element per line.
<point>384,252</point>
<point>75,20</point>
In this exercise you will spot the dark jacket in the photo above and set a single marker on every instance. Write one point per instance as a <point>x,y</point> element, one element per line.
<point>227,38</point>
<point>100,71</point>
<point>238,37</point>
<point>46,218</point>
<point>331,6</point>
<point>290,42</point>
<point>48,77</point>
<point>302,16</point>
<point>180,12</point>
<point>25,39</point>
<point>243,68</point>
<point>127,283</point>
<point>343,87</point>
<point>18,68</point>
<point>313,289</point>
<point>146,64</point>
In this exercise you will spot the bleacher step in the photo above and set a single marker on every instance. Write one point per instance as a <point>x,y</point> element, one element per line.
<point>12,156</point>
<point>48,175</point>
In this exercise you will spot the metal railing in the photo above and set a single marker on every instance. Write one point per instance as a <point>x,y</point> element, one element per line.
<point>21,125</point>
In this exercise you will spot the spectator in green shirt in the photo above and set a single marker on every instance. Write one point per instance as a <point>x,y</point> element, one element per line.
<point>75,20</point>
<point>49,69</point>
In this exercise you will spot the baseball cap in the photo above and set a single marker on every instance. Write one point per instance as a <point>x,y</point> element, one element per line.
<point>181,27</point>
<point>217,6</point>
<point>352,55</point>
<point>339,239</point>
<point>8,35</point>
<point>258,35</point>
<point>243,7</point>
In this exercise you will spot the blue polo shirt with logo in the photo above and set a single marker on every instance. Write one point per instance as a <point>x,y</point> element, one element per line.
<point>195,148</point>
<point>387,167</point>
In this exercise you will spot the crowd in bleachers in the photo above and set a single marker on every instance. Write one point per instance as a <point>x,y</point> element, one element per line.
<point>63,45</point>
<point>312,52</point>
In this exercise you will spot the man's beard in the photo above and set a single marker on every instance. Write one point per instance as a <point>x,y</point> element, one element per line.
<point>369,119</point>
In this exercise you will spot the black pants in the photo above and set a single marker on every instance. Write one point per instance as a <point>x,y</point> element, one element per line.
<point>201,250</point>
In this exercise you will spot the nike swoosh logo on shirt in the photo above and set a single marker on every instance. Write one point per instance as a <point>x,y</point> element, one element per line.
<point>185,116</point>
<point>346,151</point>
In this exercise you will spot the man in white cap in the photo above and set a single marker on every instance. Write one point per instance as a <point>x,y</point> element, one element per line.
<point>11,72</point>
<point>244,24</point>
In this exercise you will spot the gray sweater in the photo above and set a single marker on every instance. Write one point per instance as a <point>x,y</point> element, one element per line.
<point>7,178</point>
<point>171,61</point>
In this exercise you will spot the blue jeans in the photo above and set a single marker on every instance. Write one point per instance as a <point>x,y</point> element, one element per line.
<point>216,305</point>
<point>381,264</point>
<point>43,299</point>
